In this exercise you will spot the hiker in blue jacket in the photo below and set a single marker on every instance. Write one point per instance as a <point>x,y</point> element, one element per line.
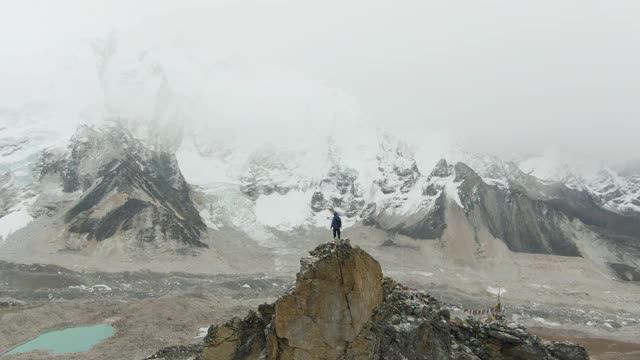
<point>336,224</point>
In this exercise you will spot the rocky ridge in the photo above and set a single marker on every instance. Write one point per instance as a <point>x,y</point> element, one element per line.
<point>341,307</point>
<point>615,188</point>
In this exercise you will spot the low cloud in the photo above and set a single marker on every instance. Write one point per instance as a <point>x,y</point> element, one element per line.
<point>501,77</point>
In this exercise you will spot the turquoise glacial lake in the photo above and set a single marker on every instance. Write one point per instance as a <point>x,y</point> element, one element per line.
<point>77,339</point>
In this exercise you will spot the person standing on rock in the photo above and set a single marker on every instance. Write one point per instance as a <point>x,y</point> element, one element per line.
<point>336,224</point>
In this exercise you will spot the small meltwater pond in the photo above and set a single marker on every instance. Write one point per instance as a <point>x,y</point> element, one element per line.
<point>77,339</point>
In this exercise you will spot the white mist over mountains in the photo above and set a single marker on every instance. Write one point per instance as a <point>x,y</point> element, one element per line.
<point>503,78</point>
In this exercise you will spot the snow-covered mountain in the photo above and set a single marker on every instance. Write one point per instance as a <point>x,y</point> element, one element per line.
<point>109,187</point>
<point>184,168</point>
<point>616,189</point>
<point>107,184</point>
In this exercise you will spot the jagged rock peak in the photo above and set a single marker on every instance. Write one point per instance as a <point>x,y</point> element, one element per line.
<point>461,171</point>
<point>465,172</point>
<point>341,307</point>
<point>442,169</point>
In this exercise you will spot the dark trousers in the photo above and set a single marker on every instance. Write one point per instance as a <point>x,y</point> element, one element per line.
<point>336,231</point>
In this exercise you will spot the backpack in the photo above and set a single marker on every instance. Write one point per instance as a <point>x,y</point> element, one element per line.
<point>337,221</point>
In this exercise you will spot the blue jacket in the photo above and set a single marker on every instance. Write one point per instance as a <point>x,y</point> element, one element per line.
<point>336,222</point>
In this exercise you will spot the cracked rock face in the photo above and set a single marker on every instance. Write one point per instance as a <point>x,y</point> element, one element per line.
<point>333,298</point>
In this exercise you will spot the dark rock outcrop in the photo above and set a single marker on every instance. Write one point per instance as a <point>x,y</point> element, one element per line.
<point>524,224</point>
<point>180,352</point>
<point>442,169</point>
<point>428,225</point>
<point>341,308</point>
<point>625,272</point>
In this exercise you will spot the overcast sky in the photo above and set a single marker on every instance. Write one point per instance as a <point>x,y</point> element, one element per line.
<point>498,76</point>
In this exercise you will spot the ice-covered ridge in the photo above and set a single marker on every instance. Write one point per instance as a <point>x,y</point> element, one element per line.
<point>614,190</point>
<point>450,186</point>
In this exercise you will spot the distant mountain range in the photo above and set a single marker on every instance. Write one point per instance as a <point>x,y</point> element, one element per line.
<point>108,185</point>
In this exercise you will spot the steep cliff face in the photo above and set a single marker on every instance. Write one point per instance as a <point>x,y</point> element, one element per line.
<point>524,223</point>
<point>126,190</point>
<point>341,308</point>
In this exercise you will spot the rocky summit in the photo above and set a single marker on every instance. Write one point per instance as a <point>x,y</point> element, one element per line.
<point>341,307</point>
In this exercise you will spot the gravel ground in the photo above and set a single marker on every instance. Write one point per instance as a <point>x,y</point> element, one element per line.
<point>177,293</point>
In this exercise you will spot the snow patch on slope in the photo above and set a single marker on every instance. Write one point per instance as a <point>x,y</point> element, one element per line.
<point>615,192</point>
<point>17,218</point>
<point>450,188</point>
<point>284,212</point>
<point>199,169</point>
<point>403,204</point>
